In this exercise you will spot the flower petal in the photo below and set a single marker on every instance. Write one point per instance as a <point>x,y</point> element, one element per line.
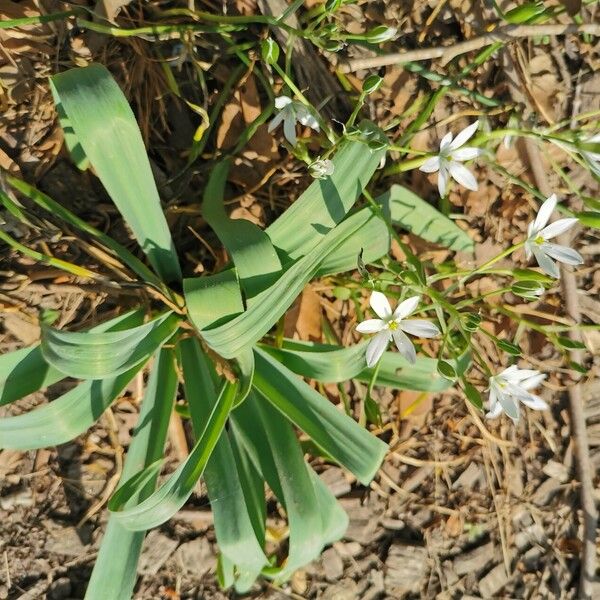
<point>371,326</point>
<point>563,254</point>
<point>446,141</point>
<point>420,328</point>
<point>494,412</point>
<point>515,375</point>
<point>528,250</point>
<point>405,346</point>
<point>431,165</point>
<point>509,405</point>
<point>275,121</point>
<point>282,101</point>
<point>289,129</point>
<point>557,228</point>
<point>546,263</point>
<point>377,347</point>
<point>544,213</point>
<point>380,305</point>
<point>304,117</point>
<point>465,153</point>
<point>443,179</point>
<point>533,381</point>
<point>406,307</point>
<point>462,175</point>
<point>464,136</point>
<point>535,402</point>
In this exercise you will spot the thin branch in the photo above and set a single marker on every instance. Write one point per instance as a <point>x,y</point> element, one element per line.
<point>446,54</point>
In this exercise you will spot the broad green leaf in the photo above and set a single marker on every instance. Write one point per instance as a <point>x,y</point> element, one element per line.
<point>274,447</point>
<point>333,364</point>
<point>64,418</point>
<point>92,355</point>
<point>421,218</point>
<point>213,299</point>
<point>171,496</point>
<point>115,569</point>
<point>333,431</point>
<point>250,248</point>
<point>105,127</point>
<point>326,202</point>
<point>235,533</point>
<point>23,372</point>
<point>240,333</point>
<point>372,236</point>
<point>26,371</point>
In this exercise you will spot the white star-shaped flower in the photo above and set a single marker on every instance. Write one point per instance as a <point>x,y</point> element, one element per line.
<point>538,235</point>
<point>512,386</point>
<point>292,112</point>
<point>448,161</point>
<point>394,326</point>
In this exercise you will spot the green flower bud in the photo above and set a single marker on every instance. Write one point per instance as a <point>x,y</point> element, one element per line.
<point>269,51</point>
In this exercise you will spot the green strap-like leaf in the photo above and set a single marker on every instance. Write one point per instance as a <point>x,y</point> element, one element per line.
<point>105,127</point>
<point>235,533</point>
<point>311,509</point>
<point>333,431</point>
<point>240,333</point>
<point>23,372</point>
<point>421,218</point>
<point>26,371</point>
<point>64,418</point>
<point>332,364</point>
<point>93,355</point>
<point>115,569</point>
<point>171,496</point>
<point>326,202</point>
<point>250,248</point>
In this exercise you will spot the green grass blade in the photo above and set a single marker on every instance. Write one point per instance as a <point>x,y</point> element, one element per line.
<point>92,355</point>
<point>250,248</point>
<point>105,126</point>
<point>64,418</point>
<point>326,202</point>
<point>115,570</point>
<point>171,496</point>
<point>334,364</point>
<point>421,218</point>
<point>26,371</point>
<point>44,201</point>
<point>234,530</point>
<point>333,431</point>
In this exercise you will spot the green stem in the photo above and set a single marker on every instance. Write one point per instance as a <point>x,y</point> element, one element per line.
<point>494,260</point>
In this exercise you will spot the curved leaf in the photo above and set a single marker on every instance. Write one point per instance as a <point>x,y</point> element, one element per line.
<point>250,248</point>
<point>421,218</point>
<point>333,364</point>
<point>64,418</point>
<point>171,496</point>
<point>115,569</point>
<point>93,355</point>
<point>105,127</point>
<point>333,431</point>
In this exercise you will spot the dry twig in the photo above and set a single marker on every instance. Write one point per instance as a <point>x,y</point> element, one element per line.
<point>446,54</point>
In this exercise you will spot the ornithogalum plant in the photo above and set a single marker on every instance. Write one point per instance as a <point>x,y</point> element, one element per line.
<point>244,421</point>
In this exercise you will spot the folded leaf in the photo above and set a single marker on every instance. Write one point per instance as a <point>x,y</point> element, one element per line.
<point>93,355</point>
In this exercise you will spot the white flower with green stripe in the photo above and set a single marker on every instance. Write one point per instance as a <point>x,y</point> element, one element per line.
<point>538,234</point>
<point>394,326</point>
<point>511,387</point>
